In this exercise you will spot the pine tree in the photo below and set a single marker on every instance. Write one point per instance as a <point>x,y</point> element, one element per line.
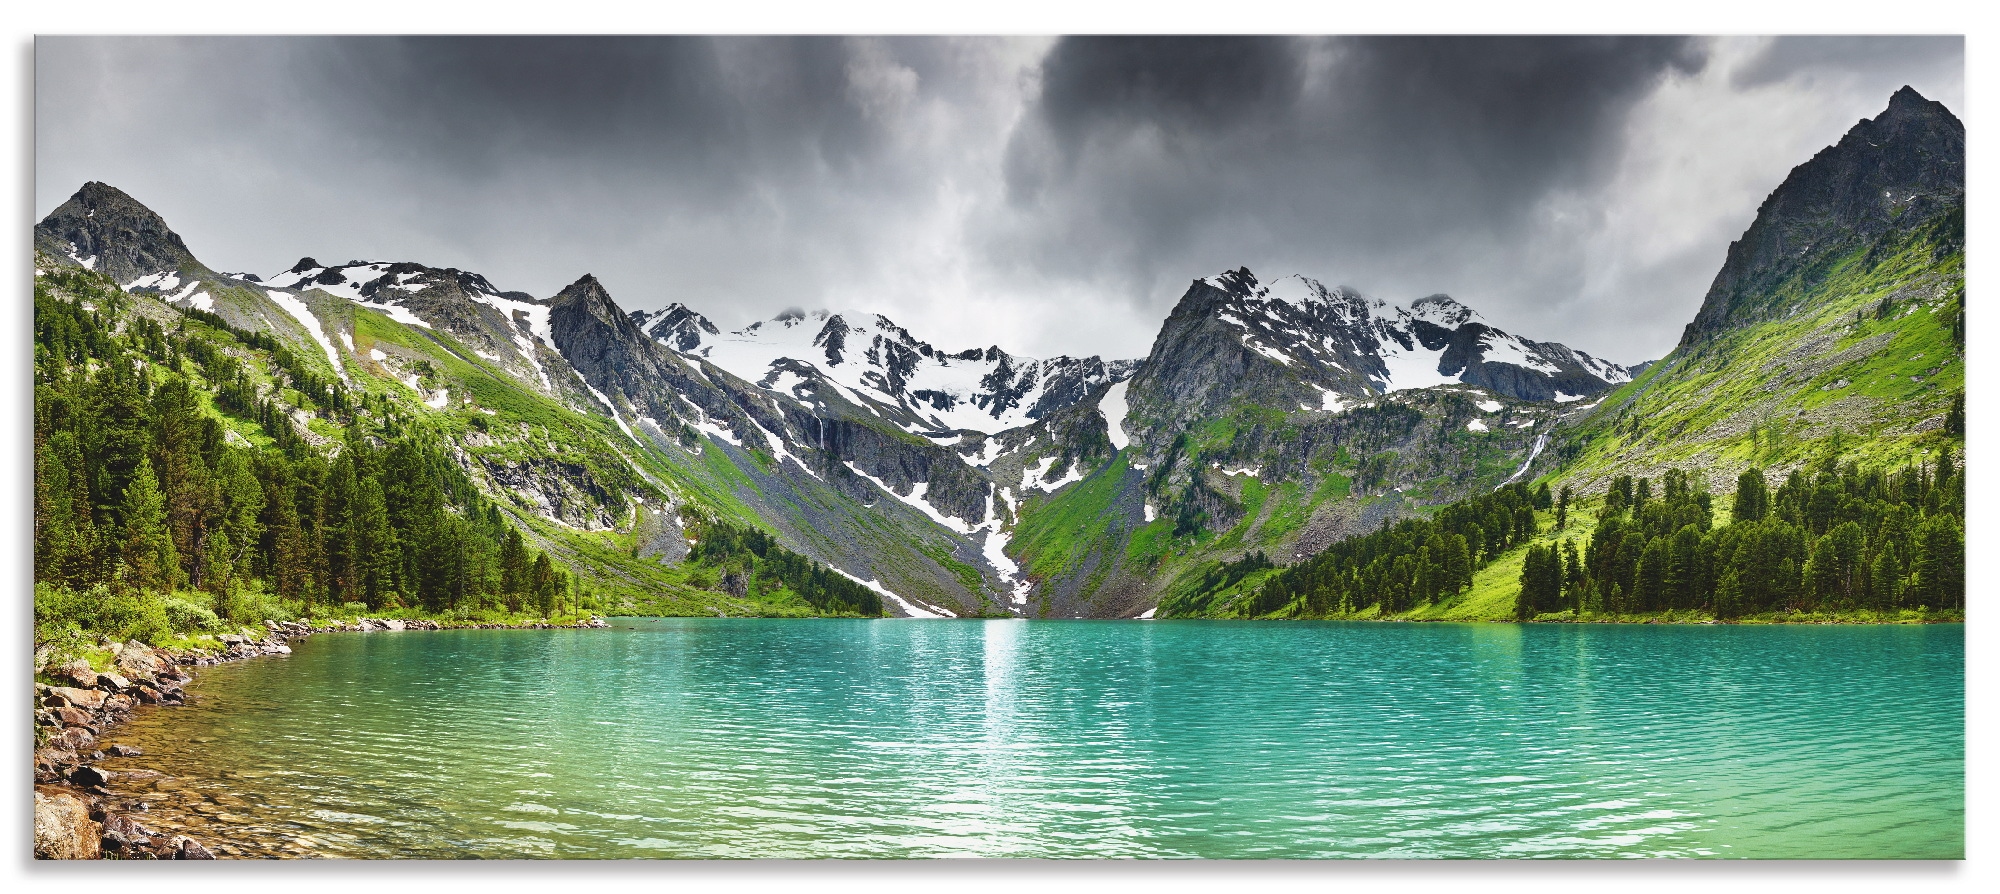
<point>1752,497</point>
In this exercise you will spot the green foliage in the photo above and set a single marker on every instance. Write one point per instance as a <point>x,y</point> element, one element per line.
<point>751,563</point>
<point>1418,561</point>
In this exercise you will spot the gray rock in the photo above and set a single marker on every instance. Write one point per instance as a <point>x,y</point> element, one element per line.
<point>81,698</point>
<point>77,673</point>
<point>111,682</point>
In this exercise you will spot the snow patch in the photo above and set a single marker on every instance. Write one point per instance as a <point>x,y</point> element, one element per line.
<point>437,401</point>
<point>1267,351</point>
<point>904,604</point>
<point>1562,398</point>
<point>1329,401</point>
<point>614,411</point>
<point>1489,406</point>
<point>1475,425</point>
<point>1504,348</point>
<point>1151,513</point>
<point>377,354</point>
<point>1541,441</point>
<point>1148,615</point>
<point>1113,408</point>
<point>201,301</point>
<point>299,311</point>
<point>1412,368</point>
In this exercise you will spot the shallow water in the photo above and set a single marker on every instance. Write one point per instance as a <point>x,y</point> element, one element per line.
<point>789,738</point>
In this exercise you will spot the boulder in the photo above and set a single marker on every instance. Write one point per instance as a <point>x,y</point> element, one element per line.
<point>137,661</point>
<point>233,639</point>
<point>75,738</point>
<point>90,777</point>
<point>77,673</point>
<point>124,836</point>
<point>111,682</point>
<point>78,698</point>
<point>148,694</point>
<point>124,751</point>
<point>118,703</point>
<point>63,828</point>
<point>189,849</point>
<point>392,624</point>
<point>74,717</point>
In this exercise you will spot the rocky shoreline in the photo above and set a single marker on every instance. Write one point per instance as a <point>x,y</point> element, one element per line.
<point>77,815</point>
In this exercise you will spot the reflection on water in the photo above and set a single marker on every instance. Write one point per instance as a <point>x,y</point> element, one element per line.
<point>761,738</point>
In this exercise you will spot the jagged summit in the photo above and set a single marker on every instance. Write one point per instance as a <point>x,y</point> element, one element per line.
<point>103,229</point>
<point>1898,170</point>
<point>871,362</point>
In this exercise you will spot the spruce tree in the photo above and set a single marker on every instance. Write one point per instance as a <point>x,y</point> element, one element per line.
<point>1752,497</point>
<point>148,551</point>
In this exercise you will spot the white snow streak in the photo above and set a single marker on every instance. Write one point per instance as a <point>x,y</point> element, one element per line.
<point>1113,408</point>
<point>299,311</point>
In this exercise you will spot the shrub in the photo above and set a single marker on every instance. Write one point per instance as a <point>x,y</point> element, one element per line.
<point>101,610</point>
<point>187,616</point>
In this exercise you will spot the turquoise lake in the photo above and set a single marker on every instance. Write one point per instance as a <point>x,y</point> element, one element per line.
<point>714,738</point>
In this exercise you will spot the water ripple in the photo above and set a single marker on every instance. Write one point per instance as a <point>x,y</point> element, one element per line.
<point>756,739</point>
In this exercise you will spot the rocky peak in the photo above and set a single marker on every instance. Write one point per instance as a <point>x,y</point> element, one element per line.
<point>677,326</point>
<point>587,295</point>
<point>1895,171</point>
<point>102,228</point>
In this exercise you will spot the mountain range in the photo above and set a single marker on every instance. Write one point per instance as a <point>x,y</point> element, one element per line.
<point>1273,417</point>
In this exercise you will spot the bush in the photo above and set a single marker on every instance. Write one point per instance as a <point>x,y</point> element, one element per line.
<point>187,616</point>
<point>100,610</point>
<point>249,603</point>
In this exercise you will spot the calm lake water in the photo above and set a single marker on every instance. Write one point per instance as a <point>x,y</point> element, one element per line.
<point>769,738</point>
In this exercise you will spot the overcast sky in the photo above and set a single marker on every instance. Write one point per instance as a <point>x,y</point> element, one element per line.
<point>1050,196</point>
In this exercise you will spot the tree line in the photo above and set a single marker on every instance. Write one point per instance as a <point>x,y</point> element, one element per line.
<point>1416,561</point>
<point>1836,538</point>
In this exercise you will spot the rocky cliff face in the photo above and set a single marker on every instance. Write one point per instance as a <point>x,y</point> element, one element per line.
<point>1898,169</point>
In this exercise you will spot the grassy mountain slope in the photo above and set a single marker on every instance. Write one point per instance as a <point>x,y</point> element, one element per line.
<point>1866,361</point>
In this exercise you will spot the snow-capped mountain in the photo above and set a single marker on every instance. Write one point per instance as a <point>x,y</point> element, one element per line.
<point>1385,348</point>
<point>869,361</point>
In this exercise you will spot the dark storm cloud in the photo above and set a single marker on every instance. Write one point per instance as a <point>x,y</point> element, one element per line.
<point>1350,158</point>
<point>1051,196</point>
